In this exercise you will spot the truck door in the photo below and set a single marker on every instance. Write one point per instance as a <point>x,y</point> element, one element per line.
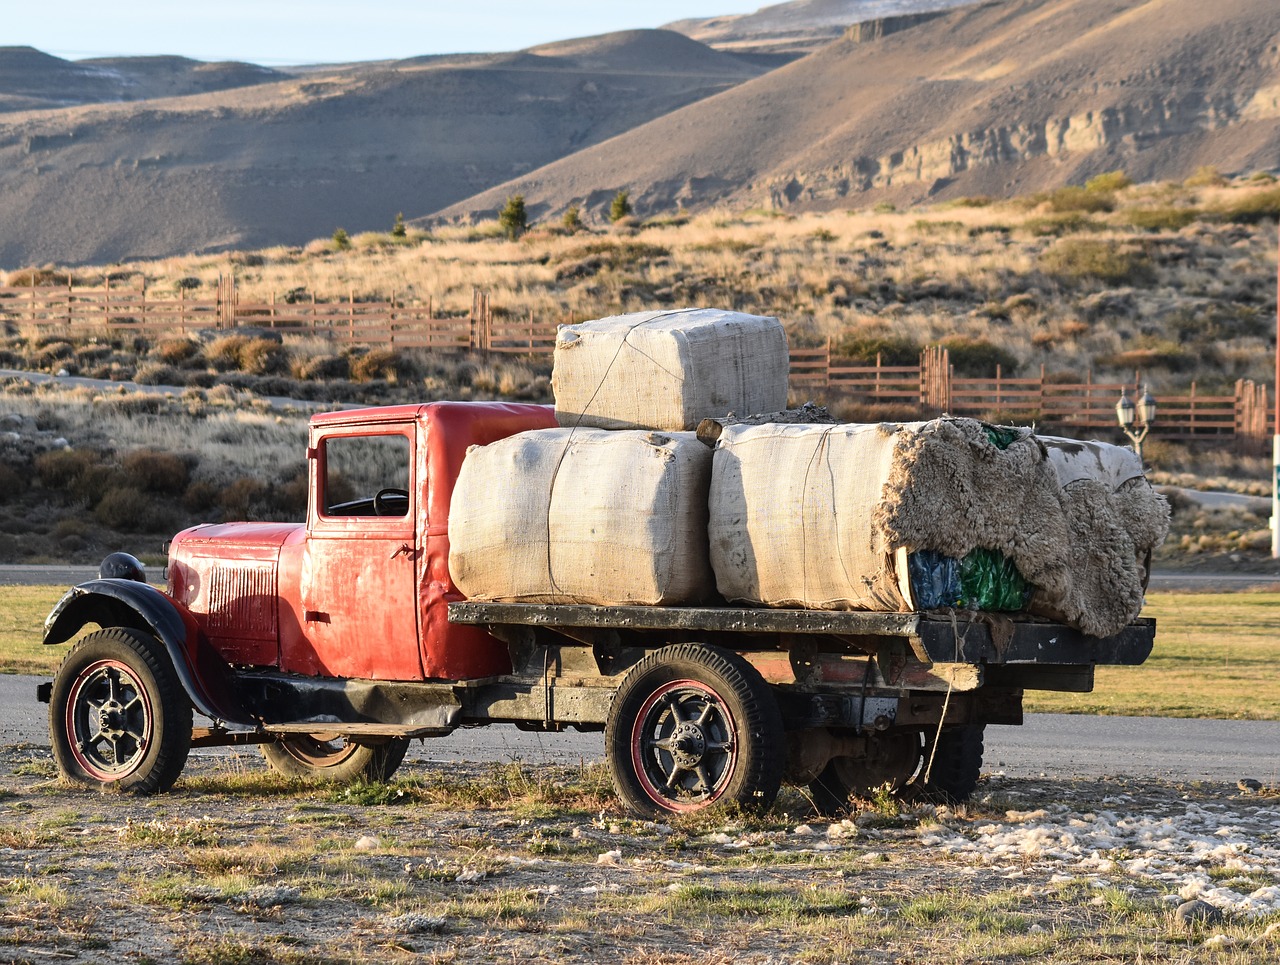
<point>359,600</point>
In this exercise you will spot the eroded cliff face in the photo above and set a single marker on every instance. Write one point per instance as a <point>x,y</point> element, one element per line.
<point>1123,129</point>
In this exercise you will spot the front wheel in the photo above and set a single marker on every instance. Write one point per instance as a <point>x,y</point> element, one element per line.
<point>118,715</point>
<point>692,726</point>
<point>324,757</point>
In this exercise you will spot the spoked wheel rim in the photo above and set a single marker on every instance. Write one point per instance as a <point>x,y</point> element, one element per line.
<point>110,720</point>
<point>684,745</point>
<point>319,750</point>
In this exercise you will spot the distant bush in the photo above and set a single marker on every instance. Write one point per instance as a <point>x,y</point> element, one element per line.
<point>863,347</point>
<point>256,356</point>
<point>224,353</point>
<point>398,230</point>
<point>12,483</point>
<point>320,368</point>
<point>239,498</point>
<point>1164,218</point>
<point>976,201</point>
<point>978,358</point>
<point>341,240</point>
<point>1075,198</point>
<point>377,363</point>
<point>572,218</point>
<point>620,206</point>
<point>124,508</point>
<point>154,471</point>
<point>176,351</point>
<point>1162,355</point>
<point>35,277</point>
<point>1065,223</point>
<point>1254,208</point>
<point>154,373</point>
<point>82,474</point>
<point>1075,259</point>
<point>1107,182</point>
<point>1206,176</point>
<point>513,218</point>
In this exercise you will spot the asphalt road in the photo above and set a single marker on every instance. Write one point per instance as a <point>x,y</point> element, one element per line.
<point>1058,746</point>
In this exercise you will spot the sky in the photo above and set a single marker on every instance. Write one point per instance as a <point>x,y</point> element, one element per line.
<point>283,32</point>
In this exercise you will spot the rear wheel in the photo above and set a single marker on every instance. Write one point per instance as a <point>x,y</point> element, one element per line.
<point>327,757</point>
<point>118,715</point>
<point>692,726</point>
<point>900,760</point>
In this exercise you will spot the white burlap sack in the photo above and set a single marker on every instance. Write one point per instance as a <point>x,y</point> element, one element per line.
<point>822,516</point>
<point>1116,519</point>
<point>791,517</point>
<point>583,516</point>
<point>669,370</point>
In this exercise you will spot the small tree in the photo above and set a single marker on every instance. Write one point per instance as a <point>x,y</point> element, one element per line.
<point>572,219</point>
<point>341,240</point>
<point>398,229</point>
<point>513,218</point>
<point>621,206</point>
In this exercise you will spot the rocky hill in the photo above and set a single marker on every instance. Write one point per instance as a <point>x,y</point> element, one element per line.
<point>291,157</point>
<point>998,99</point>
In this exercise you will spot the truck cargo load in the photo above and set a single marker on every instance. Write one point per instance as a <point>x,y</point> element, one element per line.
<point>583,516</point>
<point>668,370</point>
<point>829,517</point>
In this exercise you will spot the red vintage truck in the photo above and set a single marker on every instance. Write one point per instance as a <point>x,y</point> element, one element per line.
<point>333,643</point>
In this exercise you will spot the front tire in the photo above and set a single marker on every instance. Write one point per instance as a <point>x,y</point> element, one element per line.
<point>338,760</point>
<point>118,716</point>
<point>693,726</point>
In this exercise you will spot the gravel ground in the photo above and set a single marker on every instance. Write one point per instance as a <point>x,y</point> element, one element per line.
<point>482,862</point>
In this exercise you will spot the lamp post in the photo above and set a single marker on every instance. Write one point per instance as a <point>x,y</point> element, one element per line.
<point>1136,421</point>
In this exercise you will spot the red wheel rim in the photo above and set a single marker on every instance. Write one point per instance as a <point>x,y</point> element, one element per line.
<point>109,720</point>
<point>318,750</point>
<point>684,746</point>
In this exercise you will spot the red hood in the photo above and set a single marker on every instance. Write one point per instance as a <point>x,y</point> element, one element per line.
<point>262,536</point>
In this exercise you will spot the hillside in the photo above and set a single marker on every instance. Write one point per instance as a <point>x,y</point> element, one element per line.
<point>995,100</point>
<point>33,80</point>
<point>801,26</point>
<point>285,161</point>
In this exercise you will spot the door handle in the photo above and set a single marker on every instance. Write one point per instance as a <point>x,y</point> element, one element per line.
<point>404,550</point>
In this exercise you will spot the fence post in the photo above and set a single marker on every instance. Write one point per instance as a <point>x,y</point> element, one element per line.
<point>68,301</point>
<point>351,316</point>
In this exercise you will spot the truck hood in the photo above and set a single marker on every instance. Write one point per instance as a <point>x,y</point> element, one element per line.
<point>268,537</point>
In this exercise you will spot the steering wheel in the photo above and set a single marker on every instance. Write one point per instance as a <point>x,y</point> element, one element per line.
<point>380,506</point>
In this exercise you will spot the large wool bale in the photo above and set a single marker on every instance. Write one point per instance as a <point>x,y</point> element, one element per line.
<point>583,516</point>
<point>669,370</point>
<point>825,517</point>
<point>1115,519</point>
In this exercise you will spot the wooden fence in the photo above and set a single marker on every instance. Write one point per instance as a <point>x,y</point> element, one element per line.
<point>929,388</point>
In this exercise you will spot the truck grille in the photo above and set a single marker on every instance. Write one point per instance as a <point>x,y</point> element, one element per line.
<point>242,598</point>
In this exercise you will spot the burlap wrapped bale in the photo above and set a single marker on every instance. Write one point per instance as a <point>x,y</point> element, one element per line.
<point>1116,519</point>
<point>583,516</point>
<point>668,370</point>
<point>822,517</point>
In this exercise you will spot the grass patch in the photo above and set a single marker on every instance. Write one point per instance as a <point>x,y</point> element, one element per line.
<point>1214,656</point>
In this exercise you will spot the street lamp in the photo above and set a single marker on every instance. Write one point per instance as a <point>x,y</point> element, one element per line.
<point>1136,428</point>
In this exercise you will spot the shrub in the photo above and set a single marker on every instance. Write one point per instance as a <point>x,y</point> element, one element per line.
<point>263,356</point>
<point>1164,218</point>
<point>864,347</point>
<point>377,363</point>
<point>1075,259</point>
<point>513,218</point>
<point>12,483</point>
<point>341,240</point>
<point>398,229</point>
<point>201,497</point>
<point>152,470</point>
<point>63,469</point>
<point>1255,207</point>
<point>620,206</point>
<point>1108,182</point>
<point>1075,198</point>
<point>1206,176</point>
<point>189,282</point>
<point>239,497</point>
<point>572,219</point>
<point>35,277</point>
<point>176,351</point>
<point>320,368</point>
<point>124,508</point>
<point>154,373</point>
<point>1057,225</point>
<point>978,358</point>
<point>224,353</point>
<point>1159,355</point>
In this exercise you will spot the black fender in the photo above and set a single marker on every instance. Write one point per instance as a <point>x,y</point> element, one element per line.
<point>205,676</point>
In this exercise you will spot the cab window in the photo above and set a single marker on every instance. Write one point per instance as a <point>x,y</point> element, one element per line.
<point>365,476</point>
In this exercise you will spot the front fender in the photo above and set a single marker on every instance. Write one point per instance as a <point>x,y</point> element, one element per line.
<point>204,675</point>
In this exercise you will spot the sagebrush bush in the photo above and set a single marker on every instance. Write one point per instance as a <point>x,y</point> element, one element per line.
<point>1076,259</point>
<point>1074,198</point>
<point>376,363</point>
<point>12,483</point>
<point>320,367</point>
<point>1254,208</point>
<point>1162,218</point>
<point>864,347</point>
<point>154,471</point>
<point>263,356</point>
<point>158,373</point>
<point>978,358</point>
<point>124,508</point>
<point>177,351</point>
